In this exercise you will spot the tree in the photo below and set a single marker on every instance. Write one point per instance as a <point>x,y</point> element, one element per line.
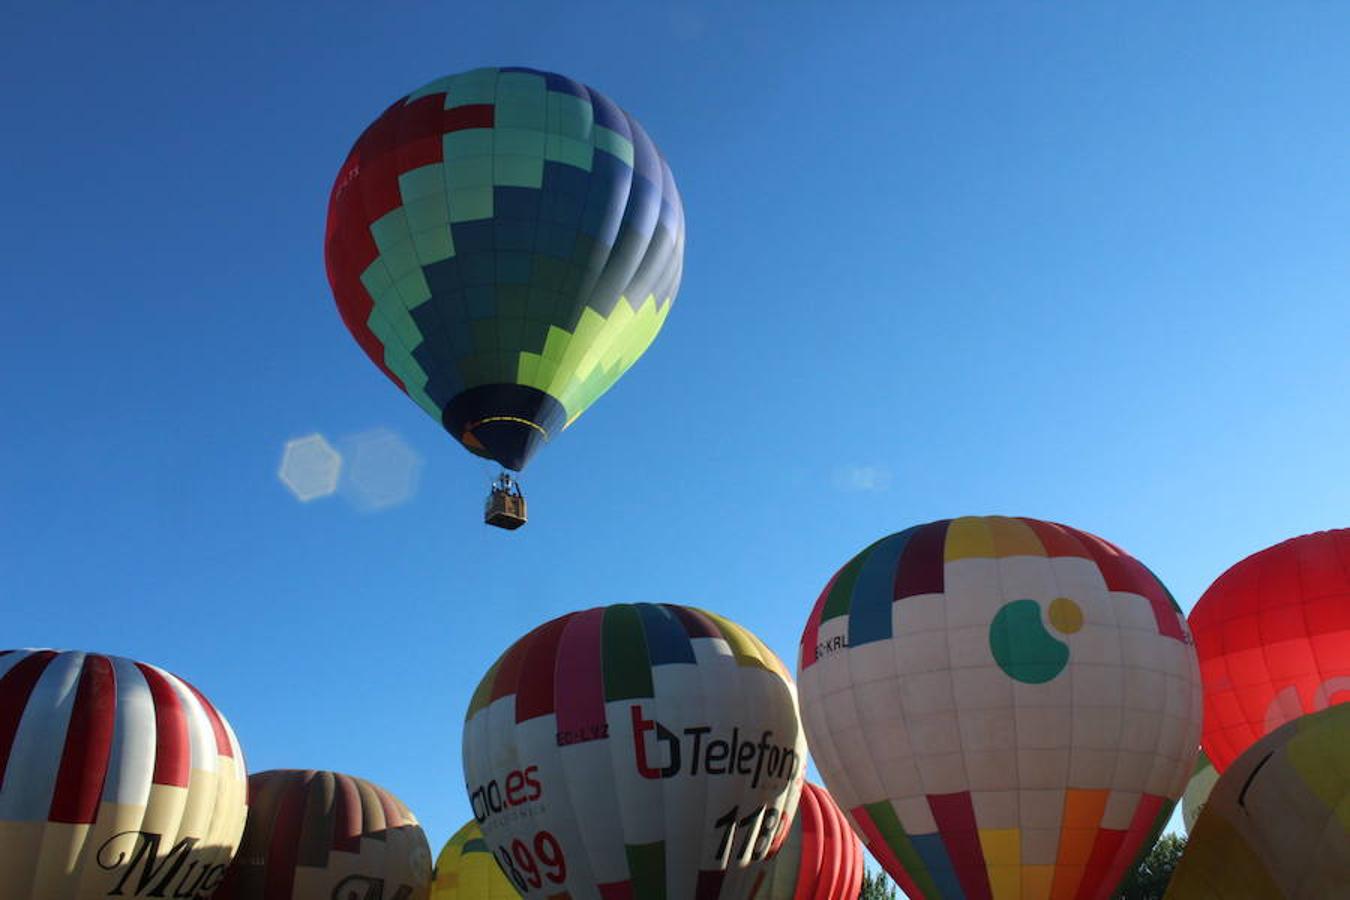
<point>876,886</point>
<point>1149,879</point>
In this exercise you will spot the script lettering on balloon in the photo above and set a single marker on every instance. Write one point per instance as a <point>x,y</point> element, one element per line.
<point>176,874</point>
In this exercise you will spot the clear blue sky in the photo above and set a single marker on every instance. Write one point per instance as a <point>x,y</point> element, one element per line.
<point>1079,264</point>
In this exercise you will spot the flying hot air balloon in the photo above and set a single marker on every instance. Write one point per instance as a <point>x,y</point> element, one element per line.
<point>1277,823</point>
<point>117,779</point>
<point>316,835</point>
<point>1273,637</point>
<point>467,870</point>
<point>504,244</point>
<point>634,751</point>
<point>821,858</point>
<point>1005,707</point>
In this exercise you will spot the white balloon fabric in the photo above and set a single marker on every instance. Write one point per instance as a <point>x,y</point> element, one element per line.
<point>633,752</point>
<point>1004,707</point>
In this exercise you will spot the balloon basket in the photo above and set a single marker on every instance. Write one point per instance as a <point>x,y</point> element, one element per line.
<point>505,505</point>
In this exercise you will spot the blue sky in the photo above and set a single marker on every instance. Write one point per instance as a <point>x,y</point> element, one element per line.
<point>942,259</point>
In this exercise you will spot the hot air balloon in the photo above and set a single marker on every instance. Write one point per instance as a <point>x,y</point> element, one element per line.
<point>1005,707</point>
<point>117,779</point>
<point>634,751</point>
<point>504,244</point>
<point>1277,824</point>
<point>467,870</point>
<point>821,858</point>
<point>320,835</point>
<point>1197,790</point>
<point>1273,637</point>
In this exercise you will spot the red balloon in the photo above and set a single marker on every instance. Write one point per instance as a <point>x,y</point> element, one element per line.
<point>1273,637</point>
<point>820,859</point>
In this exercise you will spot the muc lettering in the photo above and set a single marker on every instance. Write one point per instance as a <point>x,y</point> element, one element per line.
<point>661,753</point>
<point>144,873</point>
<point>521,787</point>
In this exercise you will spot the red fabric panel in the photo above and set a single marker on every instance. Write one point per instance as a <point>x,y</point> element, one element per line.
<point>922,565</point>
<point>505,682</point>
<point>84,760</point>
<point>283,848</point>
<point>173,750</point>
<point>811,636</point>
<point>223,745</point>
<point>813,845</point>
<point>1273,637</point>
<point>623,890</point>
<point>695,623</point>
<point>1058,540</point>
<point>580,686</point>
<point>955,818</point>
<point>709,886</point>
<point>1139,831</point>
<point>15,689</point>
<point>832,862</point>
<point>393,810</point>
<point>347,816</point>
<point>1094,885</point>
<point>882,853</point>
<point>1125,573</point>
<point>535,694</point>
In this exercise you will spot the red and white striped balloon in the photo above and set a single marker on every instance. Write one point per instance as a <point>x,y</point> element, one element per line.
<point>117,779</point>
<point>821,858</point>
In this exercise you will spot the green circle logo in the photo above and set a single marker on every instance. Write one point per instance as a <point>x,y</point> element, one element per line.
<point>1024,648</point>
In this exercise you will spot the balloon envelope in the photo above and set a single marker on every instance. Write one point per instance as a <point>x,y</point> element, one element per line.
<point>320,835</point>
<point>116,779</point>
<point>634,751</point>
<point>1005,707</point>
<point>1277,824</point>
<point>1197,791</point>
<point>821,858</point>
<point>504,244</point>
<point>1273,637</point>
<point>467,870</point>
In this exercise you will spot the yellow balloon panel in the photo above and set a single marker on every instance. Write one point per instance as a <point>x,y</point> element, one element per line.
<point>466,870</point>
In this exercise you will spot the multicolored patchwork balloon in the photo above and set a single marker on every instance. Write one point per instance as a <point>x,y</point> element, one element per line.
<point>504,244</point>
<point>467,870</point>
<point>323,835</point>
<point>1005,707</point>
<point>1197,790</point>
<point>635,751</point>
<point>117,779</point>
<point>1277,824</point>
<point>821,858</point>
<point>1273,637</point>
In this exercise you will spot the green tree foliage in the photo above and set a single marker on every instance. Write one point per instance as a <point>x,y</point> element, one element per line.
<point>1149,879</point>
<point>876,886</point>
